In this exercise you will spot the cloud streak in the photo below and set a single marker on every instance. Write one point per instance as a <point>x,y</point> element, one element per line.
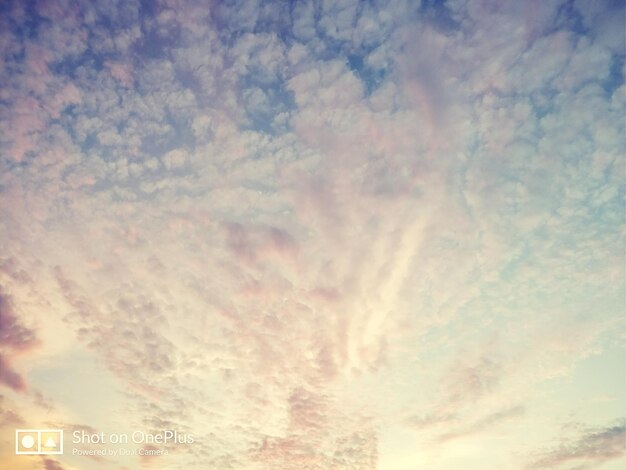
<point>589,450</point>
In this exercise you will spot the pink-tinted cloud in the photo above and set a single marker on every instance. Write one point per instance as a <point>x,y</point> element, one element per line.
<point>14,339</point>
<point>51,464</point>
<point>10,378</point>
<point>121,72</point>
<point>591,449</point>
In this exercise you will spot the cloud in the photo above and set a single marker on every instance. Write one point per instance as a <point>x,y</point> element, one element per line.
<point>15,338</point>
<point>13,334</point>
<point>50,464</point>
<point>9,418</point>
<point>11,378</point>
<point>302,232</point>
<point>591,448</point>
<point>468,382</point>
<point>121,72</point>
<point>484,424</point>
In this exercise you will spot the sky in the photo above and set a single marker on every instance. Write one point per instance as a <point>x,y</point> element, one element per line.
<point>315,235</point>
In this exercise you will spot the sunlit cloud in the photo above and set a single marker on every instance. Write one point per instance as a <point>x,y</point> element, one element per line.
<point>314,235</point>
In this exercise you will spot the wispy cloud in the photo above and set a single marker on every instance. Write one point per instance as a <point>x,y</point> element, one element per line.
<point>15,338</point>
<point>589,450</point>
<point>328,234</point>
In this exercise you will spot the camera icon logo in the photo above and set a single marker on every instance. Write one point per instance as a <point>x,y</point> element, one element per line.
<point>38,441</point>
